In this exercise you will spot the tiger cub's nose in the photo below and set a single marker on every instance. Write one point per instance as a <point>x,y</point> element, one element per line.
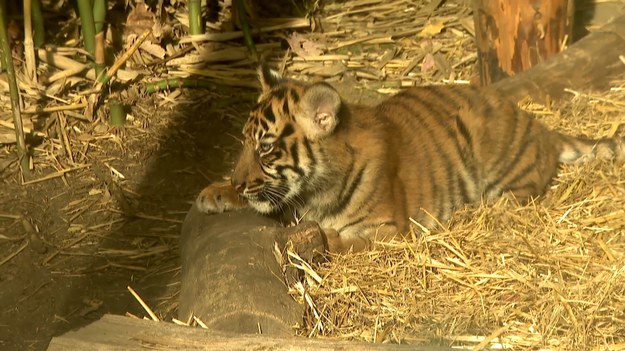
<point>239,187</point>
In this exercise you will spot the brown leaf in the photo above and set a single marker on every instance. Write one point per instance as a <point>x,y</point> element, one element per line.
<point>138,21</point>
<point>428,63</point>
<point>433,27</point>
<point>304,47</point>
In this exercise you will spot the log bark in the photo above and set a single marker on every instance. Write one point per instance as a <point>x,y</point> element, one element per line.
<point>128,334</point>
<point>230,277</point>
<point>515,35</point>
<point>590,64</point>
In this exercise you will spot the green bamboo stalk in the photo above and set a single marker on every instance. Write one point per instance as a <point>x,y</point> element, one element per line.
<point>85,12</point>
<point>39,35</point>
<point>195,17</point>
<point>99,16</point>
<point>117,113</point>
<point>245,28</point>
<point>7,62</point>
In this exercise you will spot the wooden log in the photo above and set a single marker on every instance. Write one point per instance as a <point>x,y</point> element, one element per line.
<point>129,334</point>
<point>230,277</point>
<point>591,63</point>
<point>515,35</point>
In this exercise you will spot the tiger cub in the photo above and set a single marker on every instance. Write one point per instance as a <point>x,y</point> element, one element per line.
<point>361,172</point>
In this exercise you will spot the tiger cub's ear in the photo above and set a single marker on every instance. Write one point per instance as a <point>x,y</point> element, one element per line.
<point>320,107</point>
<point>268,77</point>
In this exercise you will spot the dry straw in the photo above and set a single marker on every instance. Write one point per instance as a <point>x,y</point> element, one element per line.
<point>546,275</point>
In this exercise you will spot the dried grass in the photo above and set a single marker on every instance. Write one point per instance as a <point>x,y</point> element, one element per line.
<point>392,43</point>
<point>547,275</point>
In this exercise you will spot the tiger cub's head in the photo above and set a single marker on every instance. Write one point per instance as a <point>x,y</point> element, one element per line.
<point>282,138</point>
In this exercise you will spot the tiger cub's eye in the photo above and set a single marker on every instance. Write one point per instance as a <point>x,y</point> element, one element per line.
<point>265,147</point>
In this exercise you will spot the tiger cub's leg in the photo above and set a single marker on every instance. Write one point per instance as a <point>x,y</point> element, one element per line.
<point>219,197</point>
<point>533,169</point>
<point>345,242</point>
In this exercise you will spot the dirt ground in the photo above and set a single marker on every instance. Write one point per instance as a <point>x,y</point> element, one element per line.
<point>75,243</point>
<point>72,245</point>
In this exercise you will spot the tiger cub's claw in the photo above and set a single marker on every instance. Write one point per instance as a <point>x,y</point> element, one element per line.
<point>219,197</point>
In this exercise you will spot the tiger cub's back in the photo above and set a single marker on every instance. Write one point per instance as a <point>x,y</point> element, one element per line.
<point>361,172</point>
<point>476,144</point>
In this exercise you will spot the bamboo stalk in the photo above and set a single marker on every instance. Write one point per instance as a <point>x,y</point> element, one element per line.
<point>22,151</point>
<point>85,12</point>
<point>29,48</point>
<point>245,28</point>
<point>195,17</point>
<point>39,34</point>
<point>117,115</point>
<point>99,16</point>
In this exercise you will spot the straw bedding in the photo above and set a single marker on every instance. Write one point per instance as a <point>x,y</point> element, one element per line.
<point>547,275</point>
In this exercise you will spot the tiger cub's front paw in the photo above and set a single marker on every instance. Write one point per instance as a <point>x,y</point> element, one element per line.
<point>219,197</point>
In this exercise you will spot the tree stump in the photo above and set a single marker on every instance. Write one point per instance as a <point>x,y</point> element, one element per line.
<point>515,35</point>
<point>231,279</point>
<point>590,63</point>
<point>114,333</point>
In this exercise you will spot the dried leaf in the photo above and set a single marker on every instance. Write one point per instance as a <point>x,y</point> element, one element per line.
<point>303,46</point>
<point>428,63</point>
<point>153,49</point>
<point>138,21</point>
<point>433,27</point>
<point>7,137</point>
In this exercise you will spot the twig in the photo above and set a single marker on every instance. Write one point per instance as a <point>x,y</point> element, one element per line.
<point>143,304</point>
<point>36,109</point>
<point>174,83</point>
<point>122,59</point>
<point>72,243</point>
<point>17,252</point>
<point>150,217</point>
<point>55,174</point>
<point>22,152</point>
<point>490,338</point>
<point>62,123</point>
<point>295,23</point>
<point>200,322</point>
<point>33,292</point>
<point>594,97</point>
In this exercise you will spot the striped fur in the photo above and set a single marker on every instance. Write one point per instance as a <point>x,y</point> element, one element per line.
<point>362,172</point>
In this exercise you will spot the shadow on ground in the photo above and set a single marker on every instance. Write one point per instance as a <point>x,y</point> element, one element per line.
<point>74,244</point>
